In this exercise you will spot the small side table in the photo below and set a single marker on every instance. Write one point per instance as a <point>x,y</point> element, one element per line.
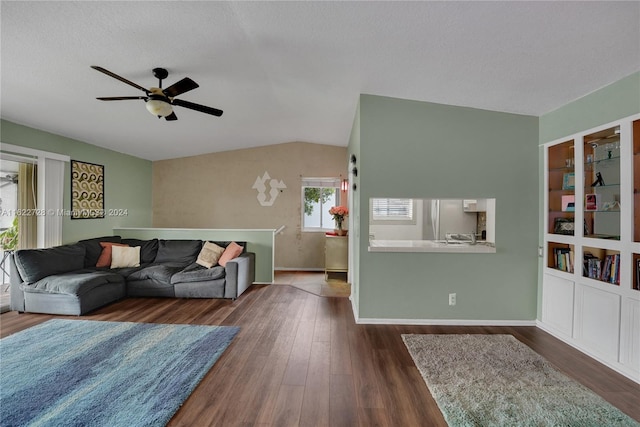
<point>336,254</point>
<point>4,267</point>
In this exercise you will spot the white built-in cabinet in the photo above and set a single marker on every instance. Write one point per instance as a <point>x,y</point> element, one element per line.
<point>591,277</point>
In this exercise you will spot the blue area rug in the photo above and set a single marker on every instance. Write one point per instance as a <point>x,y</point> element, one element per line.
<point>90,373</point>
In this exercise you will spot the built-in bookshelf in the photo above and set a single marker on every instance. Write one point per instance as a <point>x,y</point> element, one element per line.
<point>591,278</point>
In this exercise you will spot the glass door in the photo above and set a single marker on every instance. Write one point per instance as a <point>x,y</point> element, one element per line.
<point>561,161</point>
<point>602,184</point>
<point>635,284</point>
<point>18,222</point>
<point>636,181</point>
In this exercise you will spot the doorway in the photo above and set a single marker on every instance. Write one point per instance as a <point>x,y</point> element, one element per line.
<point>18,220</point>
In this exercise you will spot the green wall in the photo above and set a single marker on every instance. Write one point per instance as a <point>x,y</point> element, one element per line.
<point>424,150</point>
<point>127,180</point>
<point>615,101</point>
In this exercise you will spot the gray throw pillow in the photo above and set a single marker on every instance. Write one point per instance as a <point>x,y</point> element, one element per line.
<point>178,251</point>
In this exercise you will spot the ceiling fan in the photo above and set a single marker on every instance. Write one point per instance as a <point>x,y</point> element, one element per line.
<point>158,100</point>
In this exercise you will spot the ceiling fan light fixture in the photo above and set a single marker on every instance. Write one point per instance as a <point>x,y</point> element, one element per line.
<point>158,106</point>
<point>158,101</point>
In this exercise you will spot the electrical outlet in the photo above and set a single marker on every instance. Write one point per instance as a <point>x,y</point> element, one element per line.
<point>540,251</point>
<point>452,299</point>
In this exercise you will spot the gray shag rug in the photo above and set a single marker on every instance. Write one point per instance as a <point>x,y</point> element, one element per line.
<point>495,380</point>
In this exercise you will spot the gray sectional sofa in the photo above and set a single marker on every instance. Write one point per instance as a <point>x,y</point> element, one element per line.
<point>65,279</point>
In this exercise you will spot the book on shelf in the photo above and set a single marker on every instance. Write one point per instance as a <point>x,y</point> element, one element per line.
<point>604,270</point>
<point>563,259</point>
<point>586,263</point>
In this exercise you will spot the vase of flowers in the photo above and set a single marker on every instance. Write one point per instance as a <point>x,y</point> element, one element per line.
<point>338,213</point>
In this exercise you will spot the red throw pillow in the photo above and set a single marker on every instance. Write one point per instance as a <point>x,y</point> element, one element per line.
<point>105,257</point>
<point>231,252</point>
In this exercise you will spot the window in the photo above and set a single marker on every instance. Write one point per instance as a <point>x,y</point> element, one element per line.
<point>50,185</point>
<point>318,196</point>
<point>392,209</point>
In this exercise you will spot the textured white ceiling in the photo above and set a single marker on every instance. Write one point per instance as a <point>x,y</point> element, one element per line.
<point>292,71</point>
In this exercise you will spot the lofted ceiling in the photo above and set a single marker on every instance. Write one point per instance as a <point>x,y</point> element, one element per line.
<point>293,71</point>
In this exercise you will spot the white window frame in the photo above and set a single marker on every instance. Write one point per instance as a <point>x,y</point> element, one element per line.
<point>318,183</point>
<point>50,189</point>
<point>409,219</point>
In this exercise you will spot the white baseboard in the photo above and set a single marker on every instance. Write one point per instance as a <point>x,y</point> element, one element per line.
<point>615,365</point>
<point>445,322</point>
<point>436,322</point>
<point>297,269</point>
<point>354,310</point>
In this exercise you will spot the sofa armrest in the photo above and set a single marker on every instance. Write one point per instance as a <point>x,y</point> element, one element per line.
<point>17,294</point>
<point>240,273</point>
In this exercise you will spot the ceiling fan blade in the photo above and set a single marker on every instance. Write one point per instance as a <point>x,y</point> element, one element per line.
<point>184,85</point>
<point>122,79</point>
<point>171,117</point>
<point>120,98</point>
<point>197,107</point>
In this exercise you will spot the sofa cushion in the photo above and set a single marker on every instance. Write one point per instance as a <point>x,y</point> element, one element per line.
<point>232,251</point>
<point>148,248</point>
<point>125,271</point>
<point>125,256</point>
<point>198,273</point>
<point>73,283</point>
<point>105,257</point>
<point>209,255</point>
<point>160,273</point>
<point>35,264</point>
<point>178,251</point>
<point>93,248</point>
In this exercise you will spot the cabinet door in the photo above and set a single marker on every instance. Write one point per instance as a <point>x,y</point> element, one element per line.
<point>602,184</point>
<point>630,333</point>
<point>598,321</point>
<point>336,253</point>
<point>561,188</point>
<point>636,180</point>
<point>557,303</point>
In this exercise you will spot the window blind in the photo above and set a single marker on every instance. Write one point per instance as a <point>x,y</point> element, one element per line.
<point>321,182</point>
<point>392,209</point>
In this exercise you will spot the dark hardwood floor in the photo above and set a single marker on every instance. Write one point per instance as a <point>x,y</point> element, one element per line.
<point>300,359</point>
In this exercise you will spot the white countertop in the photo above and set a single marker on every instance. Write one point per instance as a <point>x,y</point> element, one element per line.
<point>429,246</point>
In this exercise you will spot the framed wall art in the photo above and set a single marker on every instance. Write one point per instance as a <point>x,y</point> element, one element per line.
<point>87,190</point>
